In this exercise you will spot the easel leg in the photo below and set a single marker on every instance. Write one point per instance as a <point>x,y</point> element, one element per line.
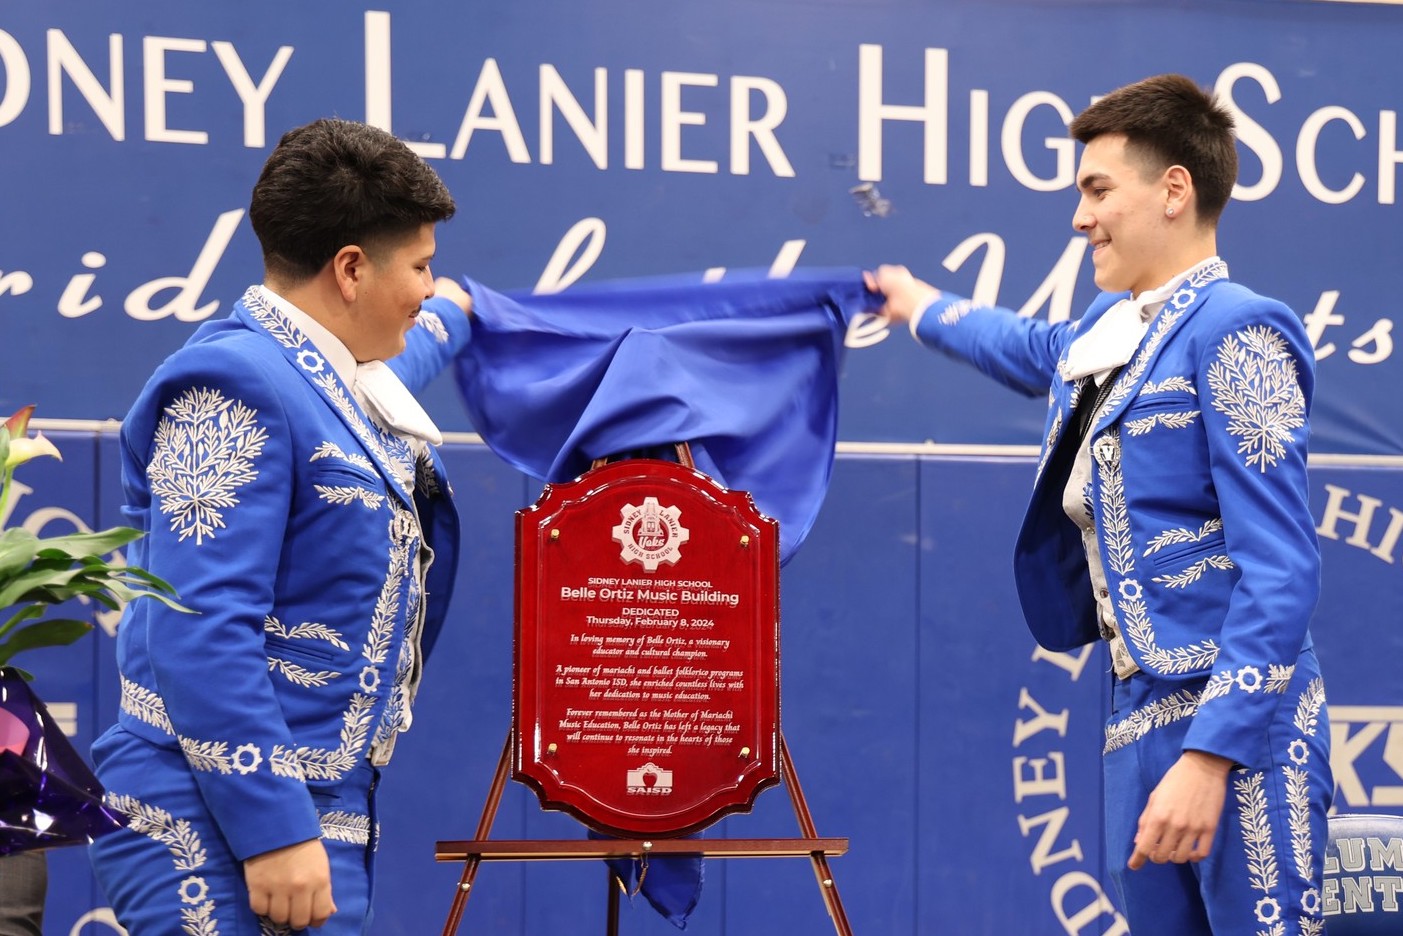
<point>614,887</point>
<point>484,829</point>
<point>827,886</point>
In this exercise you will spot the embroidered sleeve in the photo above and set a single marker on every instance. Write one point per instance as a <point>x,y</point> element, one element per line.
<point>1254,381</point>
<point>219,470</point>
<point>1256,386</point>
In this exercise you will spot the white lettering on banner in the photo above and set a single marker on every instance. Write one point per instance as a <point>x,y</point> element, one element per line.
<point>1385,547</point>
<point>1354,733</point>
<point>107,102</point>
<point>1075,896</point>
<point>102,915</point>
<point>16,65</point>
<point>108,106</point>
<point>188,288</point>
<point>1250,133</point>
<point>1380,336</point>
<point>490,108</point>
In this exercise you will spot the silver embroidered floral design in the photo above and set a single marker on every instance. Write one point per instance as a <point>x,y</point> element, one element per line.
<point>332,450</point>
<point>1048,444</point>
<point>1256,386</point>
<point>399,462</point>
<point>1164,323</point>
<point>308,630</point>
<point>1298,819</point>
<point>207,756</point>
<point>274,322</point>
<point>193,889</point>
<point>283,762</point>
<point>157,824</point>
<point>1179,420</point>
<point>1172,708</point>
<point>1216,270</point>
<point>1168,385</point>
<point>1249,679</point>
<point>342,826</point>
<point>203,452</point>
<point>144,705</point>
<point>1194,572</point>
<point>300,675</point>
<point>426,479</point>
<point>431,323</point>
<point>1116,540</point>
<point>1279,677</point>
<point>1180,535</point>
<point>187,854</point>
<point>310,361</point>
<point>951,314</point>
<point>347,494</point>
<point>1218,685</point>
<point>1307,719</point>
<point>1259,851</point>
<point>247,757</point>
<point>334,763</point>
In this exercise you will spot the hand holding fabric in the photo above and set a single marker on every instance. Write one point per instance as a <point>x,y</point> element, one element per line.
<point>905,295</point>
<point>450,289</point>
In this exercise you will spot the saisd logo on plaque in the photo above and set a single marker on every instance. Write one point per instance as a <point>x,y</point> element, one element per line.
<point>650,534</point>
<point>649,780</point>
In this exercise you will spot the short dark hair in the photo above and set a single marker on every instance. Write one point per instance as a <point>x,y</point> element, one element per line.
<point>337,182</point>
<point>1169,120</point>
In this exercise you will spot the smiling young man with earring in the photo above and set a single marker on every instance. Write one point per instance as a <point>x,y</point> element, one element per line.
<point>1170,518</point>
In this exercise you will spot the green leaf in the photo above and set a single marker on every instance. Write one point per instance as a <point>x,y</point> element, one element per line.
<point>81,545</point>
<point>35,580</point>
<point>55,632</point>
<point>23,614</point>
<point>17,549</point>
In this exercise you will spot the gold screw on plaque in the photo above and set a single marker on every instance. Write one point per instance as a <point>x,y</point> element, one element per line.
<point>745,541</point>
<point>550,748</point>
<point>745,752</point>
<point>554,535</point>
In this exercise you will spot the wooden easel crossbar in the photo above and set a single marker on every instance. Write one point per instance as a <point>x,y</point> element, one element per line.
<point>481,848</point>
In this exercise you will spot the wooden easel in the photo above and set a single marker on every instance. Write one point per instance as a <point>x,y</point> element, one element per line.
<point>482,848</point>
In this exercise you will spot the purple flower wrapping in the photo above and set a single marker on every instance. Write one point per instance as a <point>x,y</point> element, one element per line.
<point>48,795</point>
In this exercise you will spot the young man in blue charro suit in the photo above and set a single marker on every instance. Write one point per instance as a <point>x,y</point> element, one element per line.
<point>289,490</point>
<point>1170,518</point>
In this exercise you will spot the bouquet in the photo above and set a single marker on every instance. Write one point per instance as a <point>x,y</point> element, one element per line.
<point>48,796</point>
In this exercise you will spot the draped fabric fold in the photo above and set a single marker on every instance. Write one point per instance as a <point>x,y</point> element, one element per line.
<point>745,370</point>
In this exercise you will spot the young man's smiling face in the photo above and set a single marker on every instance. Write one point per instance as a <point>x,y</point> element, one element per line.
<point>394,282</point>
<point>1122,214</point>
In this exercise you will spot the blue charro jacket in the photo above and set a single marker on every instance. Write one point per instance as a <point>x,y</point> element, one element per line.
<point>283,517</point>
<point>1198,493</point>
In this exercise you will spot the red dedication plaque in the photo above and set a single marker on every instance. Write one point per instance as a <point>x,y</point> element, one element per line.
<point>647,649</point>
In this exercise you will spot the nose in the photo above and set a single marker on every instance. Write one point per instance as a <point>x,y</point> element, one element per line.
<point>428,278</point>
<point>1083,220</point>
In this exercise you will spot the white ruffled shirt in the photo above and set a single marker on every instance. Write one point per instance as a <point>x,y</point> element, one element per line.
<point>1113,339</point>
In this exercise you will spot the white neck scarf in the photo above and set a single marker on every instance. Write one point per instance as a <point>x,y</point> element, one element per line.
<point>389,401</point>
<point>1115,336</point>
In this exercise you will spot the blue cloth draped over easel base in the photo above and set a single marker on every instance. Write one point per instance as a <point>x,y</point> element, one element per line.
<point>744,369</point>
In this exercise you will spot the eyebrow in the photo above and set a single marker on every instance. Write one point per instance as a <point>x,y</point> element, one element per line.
<point>1087,181</point>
